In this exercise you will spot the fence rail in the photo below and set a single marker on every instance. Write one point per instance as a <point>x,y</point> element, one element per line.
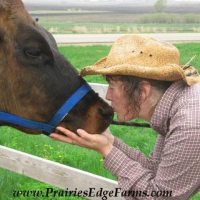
<point>56,174</point>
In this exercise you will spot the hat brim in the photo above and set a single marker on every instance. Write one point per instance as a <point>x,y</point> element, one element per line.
<point>165,73</point>
<point>171,72</point>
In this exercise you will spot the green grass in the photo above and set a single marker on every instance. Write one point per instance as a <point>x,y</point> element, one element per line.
<point>84,159</point>
<point>109,22</point>
<point>64,11</point>
<point>68,27</point>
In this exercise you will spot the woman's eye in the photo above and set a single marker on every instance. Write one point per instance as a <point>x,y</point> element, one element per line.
<point>33,52</point>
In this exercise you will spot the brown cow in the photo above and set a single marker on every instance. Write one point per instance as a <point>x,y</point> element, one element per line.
<point>36,80</point>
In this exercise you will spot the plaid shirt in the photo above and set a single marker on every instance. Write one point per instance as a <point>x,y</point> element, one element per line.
<point>174,165</point>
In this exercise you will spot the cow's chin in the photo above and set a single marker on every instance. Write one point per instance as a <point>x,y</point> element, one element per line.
<point>98,129</point>
<point>91,130</point>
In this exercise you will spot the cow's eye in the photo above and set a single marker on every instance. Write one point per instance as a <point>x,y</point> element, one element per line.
<point>33,52</point>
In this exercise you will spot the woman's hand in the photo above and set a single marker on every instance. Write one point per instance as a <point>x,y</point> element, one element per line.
<point>109,136</point>
<point>98,142</point>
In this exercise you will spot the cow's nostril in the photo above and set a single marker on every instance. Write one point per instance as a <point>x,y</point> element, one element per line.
<point>106,112</point>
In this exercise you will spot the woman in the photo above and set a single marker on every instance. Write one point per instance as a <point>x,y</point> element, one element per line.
<point>147,82</point>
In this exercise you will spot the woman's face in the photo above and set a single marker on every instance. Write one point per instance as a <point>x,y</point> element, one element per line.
<point>119,101</point>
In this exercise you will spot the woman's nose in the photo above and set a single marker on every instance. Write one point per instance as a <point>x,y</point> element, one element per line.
<point>108,96</point>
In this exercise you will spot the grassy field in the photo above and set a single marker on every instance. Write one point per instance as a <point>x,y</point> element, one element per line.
<point>69,11</point>
<point>124,23</point>
<point>66,26</point>
<point>87,160</point>
<point>117,18</point>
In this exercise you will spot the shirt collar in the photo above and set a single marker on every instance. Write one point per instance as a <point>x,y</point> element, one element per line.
<point>160,118</point>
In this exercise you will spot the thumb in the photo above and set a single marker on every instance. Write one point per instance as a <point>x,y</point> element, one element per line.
<point>81,132</point>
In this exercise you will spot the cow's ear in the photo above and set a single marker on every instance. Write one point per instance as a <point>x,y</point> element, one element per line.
<point>8,3</point>
<point>4,5</point>
<point>11,7</point>
<point>7,7</point>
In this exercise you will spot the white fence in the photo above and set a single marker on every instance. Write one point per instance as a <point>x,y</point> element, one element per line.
<point>56,174</point>
<point>101,89</point>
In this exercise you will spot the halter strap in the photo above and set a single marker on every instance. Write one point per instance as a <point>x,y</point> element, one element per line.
<point>48,127</point>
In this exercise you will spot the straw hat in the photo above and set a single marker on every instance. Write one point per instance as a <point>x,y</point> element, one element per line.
<point>144,57</point>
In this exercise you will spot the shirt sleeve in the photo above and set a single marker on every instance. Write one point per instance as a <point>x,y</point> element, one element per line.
<point>149,163</point>
<point>179,167</point>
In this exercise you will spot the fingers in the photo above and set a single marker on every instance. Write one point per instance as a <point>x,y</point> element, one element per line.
<point>61,138</point>
<point>68,133</point>
<point>85,135</point>
<point>91,141</point>
<point>71,138</point>
<point>85,139</point>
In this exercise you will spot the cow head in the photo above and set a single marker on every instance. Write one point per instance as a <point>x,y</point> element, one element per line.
<point>35,79</point>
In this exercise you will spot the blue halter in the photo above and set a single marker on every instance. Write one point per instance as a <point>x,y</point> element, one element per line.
<point>48,127</point>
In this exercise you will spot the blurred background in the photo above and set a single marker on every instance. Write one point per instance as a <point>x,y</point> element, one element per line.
<point>116,16</point>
